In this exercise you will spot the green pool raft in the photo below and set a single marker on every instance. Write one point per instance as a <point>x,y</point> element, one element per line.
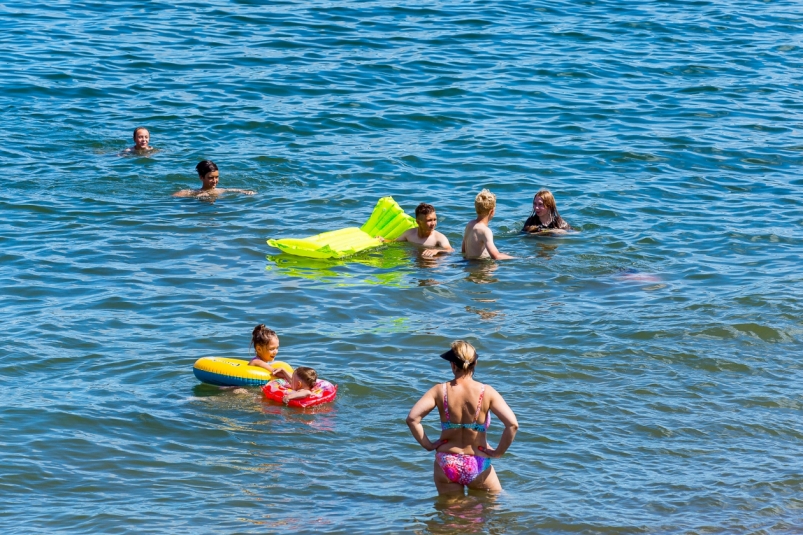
<point>387,220</point>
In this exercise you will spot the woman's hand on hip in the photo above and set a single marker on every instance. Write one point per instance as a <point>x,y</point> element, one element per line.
<point>490,452</point>
<point>437,444</point>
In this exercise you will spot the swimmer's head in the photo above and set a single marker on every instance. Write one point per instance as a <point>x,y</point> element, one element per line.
<point>462,355</point>
<point>547,200</point>
<point>544,205</point>
<point>141,137</point>
<point>208,173</point>
<point>307,377</point>
<point>426,217</point>
<point>423,209</point>
<point>205,167</point>
<point>265,342</point>
<point>484,203</point>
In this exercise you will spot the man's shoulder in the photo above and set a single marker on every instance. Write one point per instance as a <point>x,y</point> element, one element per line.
<point>439,235</point>
<point>407,234</point>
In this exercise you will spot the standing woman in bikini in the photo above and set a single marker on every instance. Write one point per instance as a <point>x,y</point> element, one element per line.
<point>463,457</point>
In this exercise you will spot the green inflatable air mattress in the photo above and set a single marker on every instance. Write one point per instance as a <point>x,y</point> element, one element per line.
<point>387,220</point>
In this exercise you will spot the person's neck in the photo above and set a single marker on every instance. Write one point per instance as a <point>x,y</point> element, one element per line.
<point>464,378</point>
<point>424,232</point>
<point>485,219</point>
<point>546,219</point>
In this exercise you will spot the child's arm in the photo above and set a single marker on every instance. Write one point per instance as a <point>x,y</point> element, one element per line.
<point>403,237</point>
<point>233,190</point>
<point>531,224</point>
<point>262,364</point>
<point>491,248</point>
<point>443,242</point>
<point>442,247</point>
<point>563,228</point>
<point>295,394</point>
<point>279,373</point>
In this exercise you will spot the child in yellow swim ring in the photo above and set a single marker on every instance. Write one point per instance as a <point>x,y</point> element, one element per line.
<point>266,346</point>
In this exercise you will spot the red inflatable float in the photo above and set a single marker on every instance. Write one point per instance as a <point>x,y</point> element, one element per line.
<point>324,392</point>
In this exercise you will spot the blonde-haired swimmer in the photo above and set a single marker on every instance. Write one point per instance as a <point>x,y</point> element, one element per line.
<point>478,239</point>
<point>209,175</point>
<point>425,235</point>
<point>545,216</point>
<point>463,457</point>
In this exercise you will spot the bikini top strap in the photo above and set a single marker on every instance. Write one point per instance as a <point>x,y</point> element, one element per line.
<point>445,403</point>
<point>479,403</point>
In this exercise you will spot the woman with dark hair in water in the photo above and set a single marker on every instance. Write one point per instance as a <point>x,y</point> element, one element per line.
<point>209,175</point>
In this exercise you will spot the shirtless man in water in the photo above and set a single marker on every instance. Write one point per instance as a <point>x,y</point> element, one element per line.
<point>425,235</point>
<point>478,239</point>
<point>209,176</point>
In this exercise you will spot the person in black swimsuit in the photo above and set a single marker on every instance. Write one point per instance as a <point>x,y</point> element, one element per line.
<point>545,216</point>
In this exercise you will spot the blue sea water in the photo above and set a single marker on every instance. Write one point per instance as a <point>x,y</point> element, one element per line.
<point>653,359</point>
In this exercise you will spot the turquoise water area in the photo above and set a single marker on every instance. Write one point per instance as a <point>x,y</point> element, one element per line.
<point>652,359</point>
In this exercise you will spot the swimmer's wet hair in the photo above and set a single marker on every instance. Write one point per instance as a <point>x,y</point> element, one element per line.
<point>308,376</point>
<point>484,202</point>
<point>423,209</point>
<point>137,129</point>
<point>205,167</point>
<point>261,336</point>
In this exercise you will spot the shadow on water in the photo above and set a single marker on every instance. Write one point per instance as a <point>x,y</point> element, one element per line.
<point>243,401</point>
<point>319,419</point>
<point>387,266</point>
<point>331,269</point>
<point>546,250</point>
<point>480,271</point>
<point>474,513</point>
<point>203,390</point>
<point>546,244</point>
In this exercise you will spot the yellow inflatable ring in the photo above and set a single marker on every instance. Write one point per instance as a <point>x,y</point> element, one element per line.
<point>234,372</point>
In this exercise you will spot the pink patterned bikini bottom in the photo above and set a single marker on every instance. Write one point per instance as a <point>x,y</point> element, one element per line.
<point>461,468</point>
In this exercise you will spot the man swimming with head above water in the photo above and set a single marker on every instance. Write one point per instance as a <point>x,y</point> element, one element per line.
<point>425,235</point>
<point>209,175</point>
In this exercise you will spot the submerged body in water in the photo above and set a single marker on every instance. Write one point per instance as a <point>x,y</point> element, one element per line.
<point>209,175</point>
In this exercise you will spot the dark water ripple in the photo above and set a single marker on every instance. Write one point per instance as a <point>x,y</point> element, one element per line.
<point>652,359</point>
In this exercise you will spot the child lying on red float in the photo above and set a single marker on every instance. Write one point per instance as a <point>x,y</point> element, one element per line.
<point>302,389</point>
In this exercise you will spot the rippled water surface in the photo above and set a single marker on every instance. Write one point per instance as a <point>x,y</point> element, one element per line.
<point>653,358</point>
